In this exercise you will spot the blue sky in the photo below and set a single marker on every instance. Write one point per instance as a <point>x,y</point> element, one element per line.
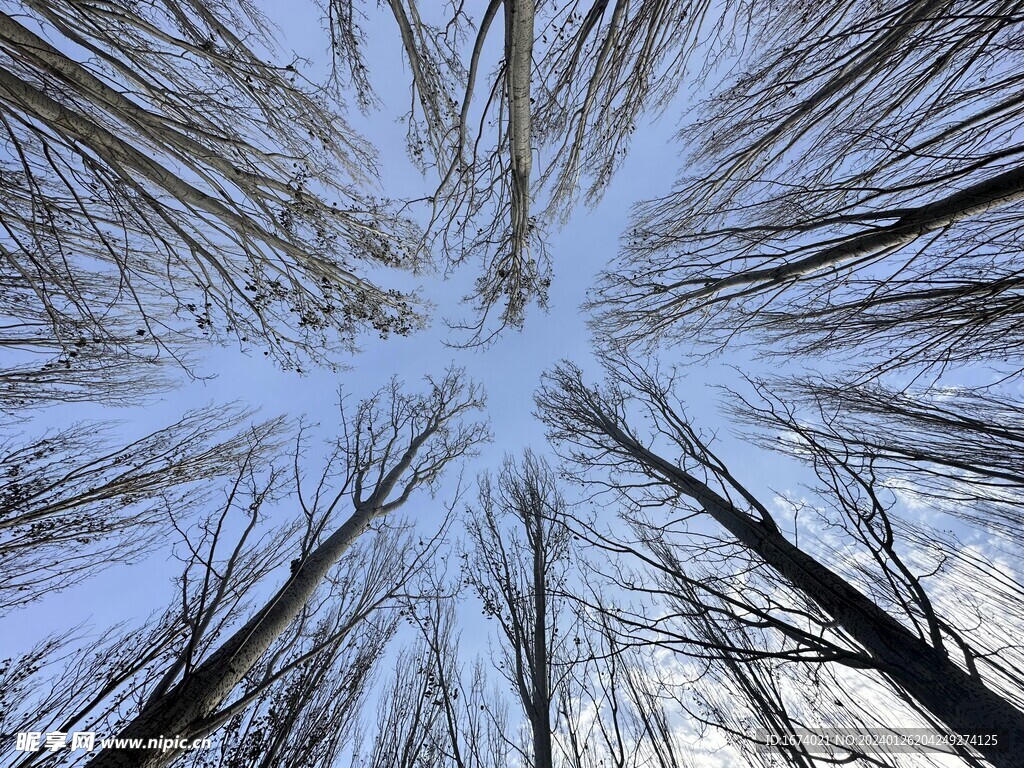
<point>509,369</point>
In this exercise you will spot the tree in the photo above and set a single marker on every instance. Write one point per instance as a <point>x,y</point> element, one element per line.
<point>955,449</point>
<point>510,155</point>
<point>855,188</point>
<point>300,706</point>
<point>212,194</point>
<point>429,715</point>
<point>907,644</point>
<point>670,669</point>
<point>616,710</point>
<point>391,445</point>
<point>519,574</point>
<point>482,206</point>
<point>77,682</point>
<point>73,501</point>
<point>585,698</point>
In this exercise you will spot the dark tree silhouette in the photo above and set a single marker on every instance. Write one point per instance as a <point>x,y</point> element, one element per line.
<point>893,628</point>
<point>78,682</point>
<point>430,714</point>
<point>391,445</point>
<point>518,553</point>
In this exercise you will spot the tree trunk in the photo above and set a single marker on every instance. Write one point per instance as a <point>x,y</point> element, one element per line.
<point>519,22</point>
<point>542,754</point>
<point>953,696</point>
<point>184,709</point>
<point>1000,190</point>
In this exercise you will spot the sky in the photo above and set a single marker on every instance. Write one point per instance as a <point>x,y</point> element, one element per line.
<point>509,369</point>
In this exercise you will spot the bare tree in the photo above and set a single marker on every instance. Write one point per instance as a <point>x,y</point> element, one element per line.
<point>87,683</point>
<point>483,204</point>
<point>410,727</point>
<point>519,573</point>
<point>300,705</point>
<point>955,449</point>
<point>670,670</point>
<point>617,709</point>
<point>216,194</point>
<point>297,706</point>
<point>570,84</point>
<point>391,445</point>
<point>587,698</point>
<point>604,66</point>
<point>856,187</point>
<point>896,631</point>
<point>74,501</point>
<point>430,715</point>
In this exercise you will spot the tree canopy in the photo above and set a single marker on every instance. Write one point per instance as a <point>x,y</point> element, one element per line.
<point>775,493</point>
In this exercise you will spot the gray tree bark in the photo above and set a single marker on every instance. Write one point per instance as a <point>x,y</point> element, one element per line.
<point>1000,190</point>
<point>519,19</point>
